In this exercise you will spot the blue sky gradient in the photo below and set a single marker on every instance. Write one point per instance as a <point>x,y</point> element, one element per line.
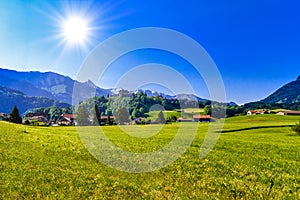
<point>255,44</point>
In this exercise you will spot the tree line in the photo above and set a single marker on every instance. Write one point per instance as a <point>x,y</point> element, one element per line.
<point>127,106</point>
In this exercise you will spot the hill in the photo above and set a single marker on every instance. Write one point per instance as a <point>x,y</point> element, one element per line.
<point>287,94</point>
<point>46,84</point>
<point>10,97</point>
<point>286,97</point>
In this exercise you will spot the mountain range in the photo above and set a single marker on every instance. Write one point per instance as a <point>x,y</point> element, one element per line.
<point>10,97</point>
<point>36,89</point>
<point>190,97</point>
<point>47,84</point>
<point>43,89</point>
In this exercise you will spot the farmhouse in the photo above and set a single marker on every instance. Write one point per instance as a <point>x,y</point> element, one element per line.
<point>288,113</point>
<point>258,112</point>
<point>36,117</point>
<point>140,120</point>
<point>104,119</point>
<point>67,119</point>
<point>184,120</point>
<point>201,118</point>
<point>251,112</point>
<point>4,117</point>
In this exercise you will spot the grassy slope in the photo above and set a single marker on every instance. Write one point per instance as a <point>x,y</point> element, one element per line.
<point>188,113</point>
<point>254,158</point>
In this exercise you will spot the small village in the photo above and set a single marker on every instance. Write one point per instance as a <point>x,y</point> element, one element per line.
<point>67,119</point>
<point>36,119</point>
<point>267,111</point>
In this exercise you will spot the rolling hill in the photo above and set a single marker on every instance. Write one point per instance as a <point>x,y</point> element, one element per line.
<point>10,97</point>
<point>287,94</point>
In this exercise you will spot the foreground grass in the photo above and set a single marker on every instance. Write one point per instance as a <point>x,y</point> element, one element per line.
<point>256,157</point>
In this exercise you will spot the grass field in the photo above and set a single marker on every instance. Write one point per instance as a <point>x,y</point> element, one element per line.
<point>194,110</point>
<point>188,113</point>
<point>256,157</point>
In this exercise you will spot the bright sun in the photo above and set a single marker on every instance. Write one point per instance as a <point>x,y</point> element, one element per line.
<point>75,29</point>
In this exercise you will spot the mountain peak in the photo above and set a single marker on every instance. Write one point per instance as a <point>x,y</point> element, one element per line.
<point>289,93</point>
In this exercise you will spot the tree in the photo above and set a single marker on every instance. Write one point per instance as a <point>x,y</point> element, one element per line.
<point>230,111</point>
<point>83,116</point>
<point>109,120</point>
<point>15,116</point>
<point>122,116</point>
<point>296,128</point>
<point>96,116</point>
<point>172,118</point>
<point>207,109</point>
<point>142,111</point>
<point>135,113</point>
<point>55,113</point>
<point>161,118</point>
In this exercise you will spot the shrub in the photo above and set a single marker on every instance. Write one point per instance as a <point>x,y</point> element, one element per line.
<point>171,118</point>
<point>296,128</point>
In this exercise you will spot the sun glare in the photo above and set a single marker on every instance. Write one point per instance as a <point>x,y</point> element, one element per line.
<point>75,29</point>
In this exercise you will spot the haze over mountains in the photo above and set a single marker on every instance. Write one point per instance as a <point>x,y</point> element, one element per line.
<point>30,90</point>
<point>10,97</point>
<point>47,84</point>
<point>54,88</point>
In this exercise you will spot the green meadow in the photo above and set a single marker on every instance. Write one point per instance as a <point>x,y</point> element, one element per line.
<point>256,157</point>
<point>188,113</point>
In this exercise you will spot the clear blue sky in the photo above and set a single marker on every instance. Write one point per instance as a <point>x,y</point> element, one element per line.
<point>255,44</point>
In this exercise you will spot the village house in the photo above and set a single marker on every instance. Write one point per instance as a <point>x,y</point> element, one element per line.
<point>258,112</point>
<point>288,113</point>
<point>201,118</point>
<point>140,120</point>
<point>184,119</point>
<point>70,120</point>
<point>104,119</point>
<point>196,118</point>
<point>67,120</point>
<point>35,117</point>
<point>4,117</point>
<point>251,112</point>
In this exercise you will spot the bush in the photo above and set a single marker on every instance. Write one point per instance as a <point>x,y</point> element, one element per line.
<point>296,128</point>
<point>171,118</point>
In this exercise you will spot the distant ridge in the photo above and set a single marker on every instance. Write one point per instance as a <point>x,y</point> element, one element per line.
<point>46,84</point>
<point>60,88</point>
<point>10,98</point>
<point>34,89</point>
<point>287,94</point>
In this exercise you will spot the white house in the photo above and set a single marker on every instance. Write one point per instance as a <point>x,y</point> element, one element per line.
<point>251,112</point>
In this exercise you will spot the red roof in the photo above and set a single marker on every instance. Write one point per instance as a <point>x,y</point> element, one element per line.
<point>184,119</point>
<point>291,112</point>
<point>201,116</point>
<point>70,116</point>
<point>105,117</point>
